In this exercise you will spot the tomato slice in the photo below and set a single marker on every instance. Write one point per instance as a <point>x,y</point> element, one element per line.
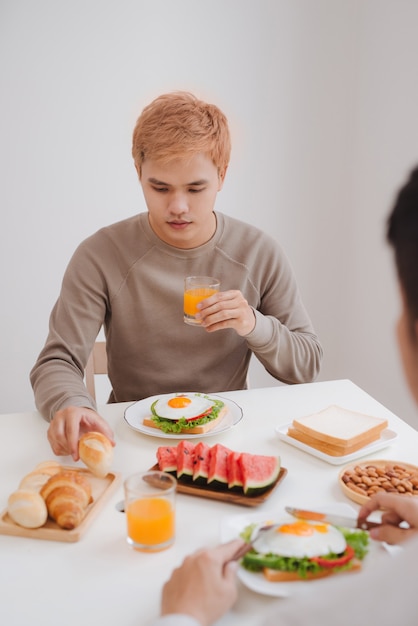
<point>345,558</point>
<point>197,417</point>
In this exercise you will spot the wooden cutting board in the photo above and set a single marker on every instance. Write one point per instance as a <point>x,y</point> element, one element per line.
<point>227,496</point>
<point>101,488</point>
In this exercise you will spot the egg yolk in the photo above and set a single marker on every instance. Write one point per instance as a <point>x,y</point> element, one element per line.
<point>179,402</point>
<point>302,529</point>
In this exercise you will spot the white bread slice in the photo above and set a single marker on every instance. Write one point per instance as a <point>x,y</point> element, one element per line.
<point>197,430</point>
<point>329,448</point>
<point>341,427</point>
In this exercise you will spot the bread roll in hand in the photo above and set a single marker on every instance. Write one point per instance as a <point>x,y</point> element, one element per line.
<point>96,452</point>
<point>27,508</point>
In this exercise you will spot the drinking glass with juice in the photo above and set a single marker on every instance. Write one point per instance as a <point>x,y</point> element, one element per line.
<point>150,510</point>
<point>196,289</point>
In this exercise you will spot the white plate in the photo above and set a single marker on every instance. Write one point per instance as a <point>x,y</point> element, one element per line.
<point>135,414</point>
<point>386,438</point>
<point>233,525</point>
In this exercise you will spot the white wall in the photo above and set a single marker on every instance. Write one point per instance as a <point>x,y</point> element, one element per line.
<point>322,98</point>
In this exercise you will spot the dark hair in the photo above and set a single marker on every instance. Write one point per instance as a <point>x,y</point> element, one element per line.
<point>402,235</point>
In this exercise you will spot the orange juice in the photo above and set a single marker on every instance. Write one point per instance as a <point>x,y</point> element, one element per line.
<point>150,522</point>
<point>192,297</point>
<point>196,289</point>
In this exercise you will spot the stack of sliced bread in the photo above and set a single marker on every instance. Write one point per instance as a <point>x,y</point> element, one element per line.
<point>337,431</point>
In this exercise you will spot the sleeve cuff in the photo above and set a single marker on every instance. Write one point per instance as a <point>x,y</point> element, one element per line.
<point>262,333</point>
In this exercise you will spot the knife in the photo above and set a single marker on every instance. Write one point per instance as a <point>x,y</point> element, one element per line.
<point>331,518</point>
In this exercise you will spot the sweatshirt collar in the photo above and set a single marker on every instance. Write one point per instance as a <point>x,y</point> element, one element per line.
<point>180,252</point>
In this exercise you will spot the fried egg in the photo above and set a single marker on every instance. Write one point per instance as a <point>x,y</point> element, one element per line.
<point>187,405</point>
<point>300,539</point>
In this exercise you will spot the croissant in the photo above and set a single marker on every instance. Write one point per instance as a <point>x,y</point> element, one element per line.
<point>67,495</point>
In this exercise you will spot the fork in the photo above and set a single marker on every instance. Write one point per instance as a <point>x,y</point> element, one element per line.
<point>242,551</point>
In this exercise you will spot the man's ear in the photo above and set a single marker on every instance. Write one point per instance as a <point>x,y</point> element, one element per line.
<point>221,176</point>
<point>412,323</point>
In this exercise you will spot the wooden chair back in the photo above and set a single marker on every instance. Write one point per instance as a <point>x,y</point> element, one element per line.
<point>96,364</point>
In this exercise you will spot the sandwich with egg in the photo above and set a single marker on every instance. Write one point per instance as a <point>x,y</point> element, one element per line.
<point>302,550</point>
<point>191,412</point>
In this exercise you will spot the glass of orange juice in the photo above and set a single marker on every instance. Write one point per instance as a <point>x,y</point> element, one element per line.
<point>196,289</point>
<point>150,510</point>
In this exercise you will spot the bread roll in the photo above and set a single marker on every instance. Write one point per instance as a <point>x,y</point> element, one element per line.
<point>67,496</point>
<point>50,466</point>
<point>96,452</point>
<point>27,508</point>
<point>40,475</point>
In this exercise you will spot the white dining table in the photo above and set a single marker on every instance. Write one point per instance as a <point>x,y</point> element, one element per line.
<point>100,579</point>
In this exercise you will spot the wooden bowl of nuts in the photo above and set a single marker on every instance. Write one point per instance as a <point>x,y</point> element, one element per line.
<point>359,481</point>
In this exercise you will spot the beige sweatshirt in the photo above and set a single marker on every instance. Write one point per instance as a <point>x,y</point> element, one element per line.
<point>125,278</point>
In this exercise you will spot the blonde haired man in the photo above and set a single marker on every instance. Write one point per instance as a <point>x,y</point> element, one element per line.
<point>128,278</point>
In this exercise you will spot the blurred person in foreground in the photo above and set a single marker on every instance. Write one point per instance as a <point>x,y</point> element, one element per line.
<point>204,587</point>
<point>128,277</point>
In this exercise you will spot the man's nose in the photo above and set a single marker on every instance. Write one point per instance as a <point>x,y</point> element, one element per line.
<point>178,204</point>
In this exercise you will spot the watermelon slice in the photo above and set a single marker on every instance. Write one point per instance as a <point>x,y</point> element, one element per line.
<point>167,459</point>
<point>218,470</point>
<point>201,463</point>
<point>259,472</point>
<point>234,472</point>
<point>185,451</point>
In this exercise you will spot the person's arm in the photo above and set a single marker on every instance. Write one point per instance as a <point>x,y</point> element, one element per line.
<point>274,322</point>
<point>203,587</point>
<point>283,338</point>
<point>296,354</point>
<point>176,619</point>
<point>202,590</point>
<point>292,355</point>
<point>57,377</point>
